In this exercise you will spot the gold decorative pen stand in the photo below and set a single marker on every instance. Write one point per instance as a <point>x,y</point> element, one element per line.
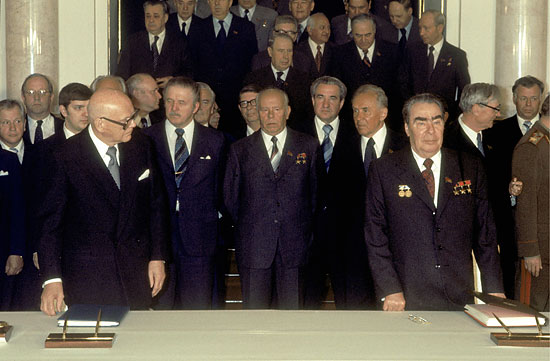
<point>520,339</point>
<point>80,340</point>
<point>5,331</point>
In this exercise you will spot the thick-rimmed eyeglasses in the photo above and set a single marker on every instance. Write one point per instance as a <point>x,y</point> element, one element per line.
<point>246,103</point>
<point>124,123</point>
<point>496,109</point>
<point>41,92</point>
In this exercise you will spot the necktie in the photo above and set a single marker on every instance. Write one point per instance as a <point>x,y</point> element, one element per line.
<point>366,59</point>
<point>527,125</point>
<point>38,135</point>
<point>222,36</point>
<point>183,33</point>
<point>275,156</point>
<point>113,165</point>
<point>300,31</point>
<point>430,61</point>
<point>480,144</point>
<point>144,122</point>
<point>370,155</point>
<point>403,40</point>
<point>156,55</point>
<point>326,146</point>
<point>428,176</point>
<point>246,14</point>
<point>14,150</point>
<point>280,81</point>
<point>318,57</point>
<point>181,156</point>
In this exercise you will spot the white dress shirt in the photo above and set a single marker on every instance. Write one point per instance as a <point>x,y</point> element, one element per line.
<point>285,72</point>
<point>370,51</point>
<point>281,139</point>
<point>250,12</point>
<point>102,148</point>
<point>470,133</point>
<point>319,124</point>
<point>437,50</point>
<point>160,41</point>
<point>313,46</point>
<point>521,121</point>
<point>48,127</point>
<point>226,24</point>
<point>172,136</point>
<point>19,149</point>
<point>187,24</point>
<point>67,132</point>
<point>436,170</point>
<point>379,138</point>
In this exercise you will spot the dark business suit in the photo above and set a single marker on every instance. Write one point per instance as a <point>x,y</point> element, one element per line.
<point>304,60</point>
<point>224,69</point>
<point>296,86</point>
<point>263,20</point>
<point>447,80</point>
<point>173,25</point>
<point>339,29</point>
<point>195,226</point>
<point>414,34</point>
<point>58,127</point>
<point>260,60</point>
<point>97,238</point>
<point>12,222</point>
<point>273,214</point>
<point>137,57</point>
<point>423,251</point>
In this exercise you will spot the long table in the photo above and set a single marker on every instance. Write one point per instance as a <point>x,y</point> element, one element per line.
<point>273,335</point>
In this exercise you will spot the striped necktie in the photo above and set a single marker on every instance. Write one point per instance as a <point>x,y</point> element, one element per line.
<point>327,146</point>
<point>181,155</point>
<point>275,157</point>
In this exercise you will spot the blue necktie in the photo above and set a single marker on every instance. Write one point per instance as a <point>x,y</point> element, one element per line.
<point>222,36</point>
<point>527,125</point>
<point>370,155</point>
<point>181,156</point>
<point>326,146</point>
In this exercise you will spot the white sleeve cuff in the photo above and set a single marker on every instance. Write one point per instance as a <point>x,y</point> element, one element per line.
<point>53,280</point>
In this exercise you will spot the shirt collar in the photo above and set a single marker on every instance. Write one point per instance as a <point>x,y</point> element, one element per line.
<point>67,132</point>
<point>100,145</point>
<point>313,47</point>
<point>226,20</point>
<point>335,124</point>
<point>470,133</point>
<point>250,11</point>
<point>281,139</point>
<point>285,72</point>
<point>370,50</point>
<point>420,161</point>
<point>46,119</point>
<point>19,146</point>
<point>437,47</point>
<point>188,22</point>
<point>161,37</point>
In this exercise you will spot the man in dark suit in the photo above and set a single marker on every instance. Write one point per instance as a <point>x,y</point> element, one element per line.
<point>183,21</point>
<point>109,82</point>
<point>155,51</point>
<point>191,164</point>
<point>270,191</point>
<point>501,139</point>
<point>427,210</point>
<point>282,75</point>
<point>143,90</point>
<point>284,24</point>
<point>341,24</point>
<point>263,19</point>
<point>249,109</point>
<point>37,95</point>
<point>104,223</point>
<point>223,53</point>
<point>406,25</point>
<point>368,59</point>
<point>313,56</point>
<point>12,215</point>
<point>301,10</point>
<point>435,66</point>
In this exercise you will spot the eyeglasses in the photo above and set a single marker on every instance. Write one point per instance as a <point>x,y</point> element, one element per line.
<point>41,92</point>
<point>7,123</point>
<point>125,123</point>
<point>286,32</point>
<point>496,109</point>
<point>246,103</point>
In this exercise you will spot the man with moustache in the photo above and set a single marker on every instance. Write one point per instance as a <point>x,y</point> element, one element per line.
<point>103,237</point>
<point>270,191</point>
<point>145,95</point>
<point>262,18</point>
<point>191,160</point>
<point>427,209</point>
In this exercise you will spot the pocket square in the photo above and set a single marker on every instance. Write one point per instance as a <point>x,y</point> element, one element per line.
<point>3,173</point>
<point>144,175</point>
<point>207,157</point>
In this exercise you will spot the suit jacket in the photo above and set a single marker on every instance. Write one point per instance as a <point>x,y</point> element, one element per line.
<point>296,86</point>
<point>58,127</point>
<point>200,190</point>
<point>339,29</point>
<point>455,138</point>
<point>260,60</point>
<point>97,238</point>
<point>173,25</point>
<point>414,34</point>
<point>304,60</point>
<point>449,76</point>
<point>272,212</point>
<point>428,256</point>
<point>263,20</point>
<point>12,208</point>
<point>137,57</point>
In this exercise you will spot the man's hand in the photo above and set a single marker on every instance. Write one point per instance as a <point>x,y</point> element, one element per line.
<point>394,302</point>
<point>35,260</point>
<point>161,82</point>
<point>156,276</point>
<point>501,295</point>
<point>533,265</point>
<point>52,297</point>
<point>14,265</point>
<point>515,187</point>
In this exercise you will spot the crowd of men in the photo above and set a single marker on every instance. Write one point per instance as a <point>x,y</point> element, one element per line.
<point>351,146</point>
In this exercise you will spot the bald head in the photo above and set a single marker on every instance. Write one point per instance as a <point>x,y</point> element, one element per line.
<point>111,116</point>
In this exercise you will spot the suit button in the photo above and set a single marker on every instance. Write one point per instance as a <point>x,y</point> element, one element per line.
<point>275,221</point>
<point>440,247</point>
<point>438,229</point>
<point>437,266</point>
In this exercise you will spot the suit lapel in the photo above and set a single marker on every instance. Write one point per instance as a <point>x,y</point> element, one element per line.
<point>258,152</point>
<point>197,149</point>
<point>287,155</point>
<point>411,176</point>
<point>129,173</point>
<point>449,176</point>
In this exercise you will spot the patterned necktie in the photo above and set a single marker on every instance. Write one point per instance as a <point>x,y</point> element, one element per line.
<point>246,14</point>
<point>156,55</point>
<point>113,165</point>
<point>181,156</point>
<point>366,59</point>
<point>144,122</point>
<point>480,144</point>
<point>275,157</point>
<point>326,146</point>
<point>38,135</point>
<point>370,155</point>
<point>403,40</point>
<point>222,36</point>
<point>431,61</point>
<point>527,125</point>
<point>318,57</point>
<point>280,81</point>
<point>300,32</point>
<point>428,176</point>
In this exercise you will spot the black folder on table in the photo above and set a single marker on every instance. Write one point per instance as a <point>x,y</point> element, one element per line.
<point>86,315</point>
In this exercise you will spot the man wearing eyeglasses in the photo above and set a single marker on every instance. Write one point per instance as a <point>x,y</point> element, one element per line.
<point>37,95</point>
<point>249,109</point>
<point>104,222</point>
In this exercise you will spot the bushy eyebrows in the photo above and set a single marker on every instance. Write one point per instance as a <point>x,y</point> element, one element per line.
<point>423,119</point>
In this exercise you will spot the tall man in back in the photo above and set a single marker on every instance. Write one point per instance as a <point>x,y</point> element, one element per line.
<point>190,156</point>
<point>103,236</point>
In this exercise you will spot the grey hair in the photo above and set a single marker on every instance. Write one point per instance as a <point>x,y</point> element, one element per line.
<point>135,81</point>
<point>34,75</point>
<point>381,97</point>
<point>439,18</point>
<point>272,89</point>
<point>286,19</point>
<point>426,98</point>
<point>477,93</point>
<point>278,36</point>
<point>207,87</point>
<point>328,80</point>
<point>527,82</point>
<point>97,80</point>
<point>12,103</point>
<point>363,18</point>
<point>312,19</point>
